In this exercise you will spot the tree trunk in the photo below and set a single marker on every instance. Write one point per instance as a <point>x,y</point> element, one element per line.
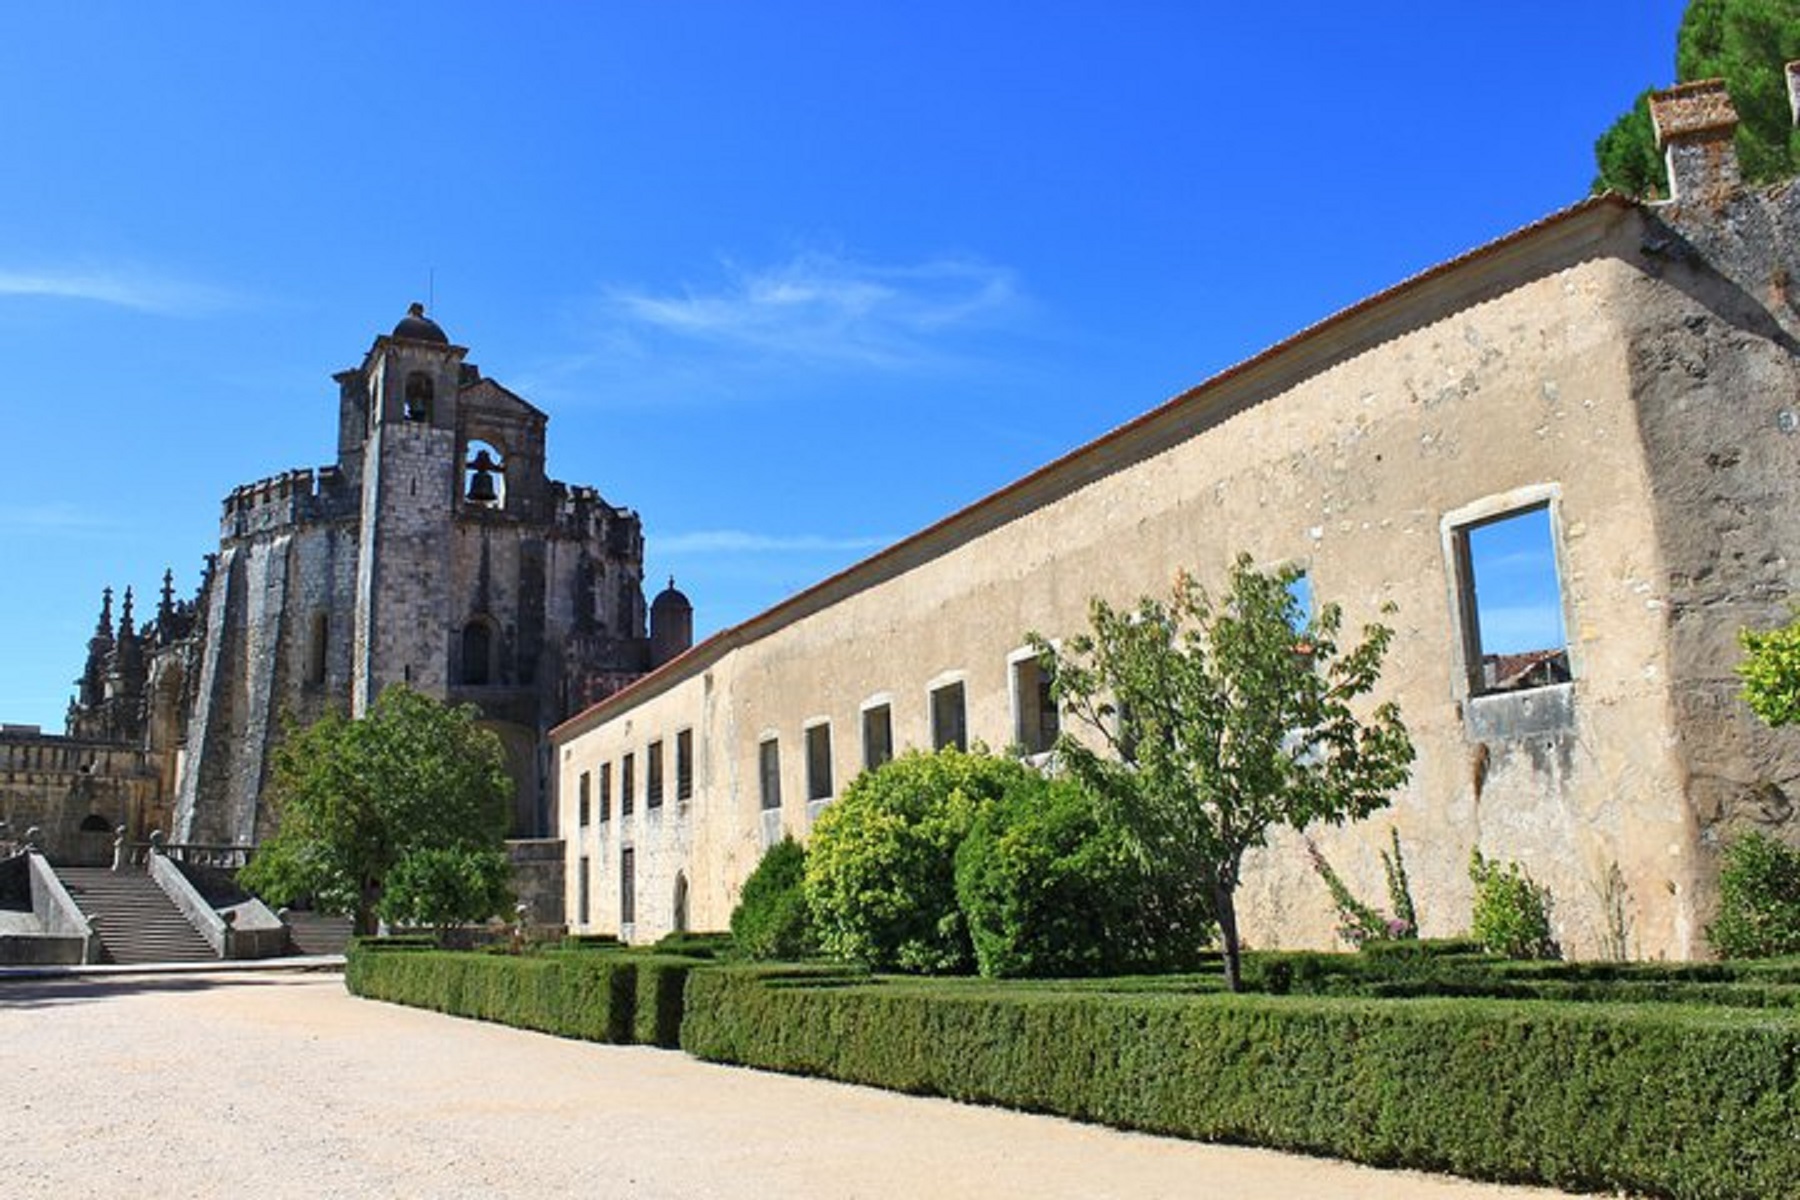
<point>1225,908</point>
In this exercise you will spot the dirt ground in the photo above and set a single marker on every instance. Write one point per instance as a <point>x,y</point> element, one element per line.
<point>278,1085</point>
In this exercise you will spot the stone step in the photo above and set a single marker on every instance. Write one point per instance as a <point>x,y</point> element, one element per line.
<point>136,920</point>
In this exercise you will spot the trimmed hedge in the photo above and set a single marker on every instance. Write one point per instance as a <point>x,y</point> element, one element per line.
<point>1666,1099</point>
<point>589,995</point>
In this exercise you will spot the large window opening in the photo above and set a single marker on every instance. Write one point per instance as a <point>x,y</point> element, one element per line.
<point>1512,603</point>
<point>949,717</point>
<point>818,761</point>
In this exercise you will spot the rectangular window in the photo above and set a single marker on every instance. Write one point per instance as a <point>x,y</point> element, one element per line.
<point>684,764</point>
<point>1511,602</point>
<point>627,887</point>
<point>653,775</point>
<point>949,719</point>
<point>605,792</point>
<point>1299,590</point>
<point>878,735</point>
<point>582,802</point>
<point>627,785</point>
<point>581,888</point>
<point>1035,720</point>
<point>818,761</point>
<point>769,772</point>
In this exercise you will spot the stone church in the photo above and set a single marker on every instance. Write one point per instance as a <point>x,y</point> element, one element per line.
<point>434,552</point>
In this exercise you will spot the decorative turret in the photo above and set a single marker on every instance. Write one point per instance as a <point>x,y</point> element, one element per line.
<point>93,677</point>
<point>671,625</point>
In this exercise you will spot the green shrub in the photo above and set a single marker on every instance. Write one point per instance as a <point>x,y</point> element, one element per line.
<point>1512,912</point>
<point>1049,887</point>
<point>881,866</point>
<point>771,919</point>
<point>1759,899</point>
<point>580,995</point>
<point>438,887</point>
<point>1668,1100</point>
<point>661,983</point>
<point>688,944</point>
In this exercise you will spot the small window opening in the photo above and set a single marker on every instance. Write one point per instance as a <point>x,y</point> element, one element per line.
<point>653,775</point>
<point>605,792</point>
<point>477,653</point>
<point>418,396</point>
<point>1300,593</point>
<point>1035,719</point>
<point>627,785</point>
<point>95,823</point>
<point>878,735</point>
<point>684,764</point>
<point>949,717</point>
<point>1512,608</point>
<point>583,804</point>
<point>818,762</point>
<point>628,886</point>
<point>318,648</point>
<point>581,905</point>
<point>768,758</point>
<point>484,476</point>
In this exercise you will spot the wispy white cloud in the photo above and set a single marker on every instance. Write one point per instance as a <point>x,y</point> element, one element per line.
<point>121,287</point>
<point>51,518</point>
<point>825,308</point>
<point>737,541</point>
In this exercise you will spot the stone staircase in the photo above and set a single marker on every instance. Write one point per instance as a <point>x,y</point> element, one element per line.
<point>136,920</point>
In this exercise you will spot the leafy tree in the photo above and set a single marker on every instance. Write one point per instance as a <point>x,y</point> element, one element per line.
<point>1049,887</point>
<point>1745,42</point>
<point>355,799</point>
<point>445,886</point>
<point>881,866</point>
<point>1771,672</point>
<point>1226,719</point>
<point>771,920</point>
<point>1759,899</point>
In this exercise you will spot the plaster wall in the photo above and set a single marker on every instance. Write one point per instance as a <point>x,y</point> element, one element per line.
<point>1352,453</point>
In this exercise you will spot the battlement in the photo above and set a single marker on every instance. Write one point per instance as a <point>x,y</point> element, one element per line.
<point>290,498</point>
<point>581,512</point>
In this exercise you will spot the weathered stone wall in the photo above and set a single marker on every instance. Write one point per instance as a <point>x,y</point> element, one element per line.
<point>1357,451</point>
<point>56,783</point>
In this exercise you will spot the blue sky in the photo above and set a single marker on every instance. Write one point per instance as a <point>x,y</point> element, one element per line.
<point>791,279</point>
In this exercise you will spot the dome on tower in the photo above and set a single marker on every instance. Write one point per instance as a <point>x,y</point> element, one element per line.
<point>669,600</point>
<point>415,326</point>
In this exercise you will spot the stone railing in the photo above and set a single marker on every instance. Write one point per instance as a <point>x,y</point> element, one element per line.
<point>199,854</point>
<point>244,930</point>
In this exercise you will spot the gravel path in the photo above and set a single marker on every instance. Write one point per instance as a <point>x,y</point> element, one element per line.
<point>277,1085</point>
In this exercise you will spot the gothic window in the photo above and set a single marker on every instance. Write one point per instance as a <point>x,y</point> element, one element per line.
<point>418,397</point>
<point>477,654</point>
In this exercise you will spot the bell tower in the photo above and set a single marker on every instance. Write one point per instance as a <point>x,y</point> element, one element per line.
<point>411,473</point>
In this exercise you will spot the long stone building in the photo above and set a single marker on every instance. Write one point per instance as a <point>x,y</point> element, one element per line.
<point>1614,389</point>
<point>434,552</point>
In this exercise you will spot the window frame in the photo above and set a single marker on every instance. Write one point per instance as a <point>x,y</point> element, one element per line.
<point>1464,604</point>
<point>768,773</point>
<point>684,765</point>
<point>944,685</point>
<point>1042,700</point>
<point>883,704</point>
<point>817,733</point>
<point>627,784</point>
<point>653,774</point>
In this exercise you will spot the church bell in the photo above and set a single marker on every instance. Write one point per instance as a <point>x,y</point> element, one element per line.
<point>481,488</point>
